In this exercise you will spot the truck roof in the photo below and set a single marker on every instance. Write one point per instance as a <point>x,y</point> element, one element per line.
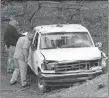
<point>61,28</point>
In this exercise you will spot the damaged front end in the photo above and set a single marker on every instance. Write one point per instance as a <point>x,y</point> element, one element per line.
<point>66,72</point>
<point>74,66</point>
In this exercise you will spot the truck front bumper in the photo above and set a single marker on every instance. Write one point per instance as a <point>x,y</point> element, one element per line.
<point>64,79</point>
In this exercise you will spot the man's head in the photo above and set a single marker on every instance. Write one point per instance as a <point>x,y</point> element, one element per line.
<point>30,35</point>
<point>13,22</point>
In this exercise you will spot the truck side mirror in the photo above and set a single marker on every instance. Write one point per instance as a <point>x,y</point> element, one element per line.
<point>98,44</point>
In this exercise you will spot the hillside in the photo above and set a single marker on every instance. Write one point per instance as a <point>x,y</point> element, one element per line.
<point>97,87</point>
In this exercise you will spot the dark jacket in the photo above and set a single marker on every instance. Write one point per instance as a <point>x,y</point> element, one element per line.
<point>11,36</point>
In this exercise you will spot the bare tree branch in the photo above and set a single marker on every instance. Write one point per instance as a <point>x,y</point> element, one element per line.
<point>39,7</point>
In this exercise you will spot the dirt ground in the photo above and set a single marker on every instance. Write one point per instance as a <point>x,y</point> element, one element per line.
<point>16,91</point>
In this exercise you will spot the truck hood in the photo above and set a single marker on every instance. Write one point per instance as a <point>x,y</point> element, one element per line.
<point>72,54</point>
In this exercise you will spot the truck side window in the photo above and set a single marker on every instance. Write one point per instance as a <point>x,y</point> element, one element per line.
<point>36,40</point>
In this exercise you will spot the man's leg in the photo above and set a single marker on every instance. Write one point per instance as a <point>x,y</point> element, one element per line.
<point>15,76</point>
<point>23,72</point>
<point>10,62</point>
<point>15,73</point>
<point>8,65</point>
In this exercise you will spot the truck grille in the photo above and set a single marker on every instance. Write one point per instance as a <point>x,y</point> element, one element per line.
<point>82,65</point>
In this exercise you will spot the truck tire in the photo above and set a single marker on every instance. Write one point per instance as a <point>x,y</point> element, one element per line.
<point>41,84</point>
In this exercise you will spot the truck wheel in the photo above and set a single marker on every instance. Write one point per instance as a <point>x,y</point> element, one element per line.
<point>41,84</point>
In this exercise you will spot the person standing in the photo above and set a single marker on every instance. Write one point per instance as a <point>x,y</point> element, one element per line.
<point>10,39</point>
<point>21,56</point>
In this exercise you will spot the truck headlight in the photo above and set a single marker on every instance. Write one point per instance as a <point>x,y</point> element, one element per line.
<point>103,59</point>
<point>51,66</point>
<point>44,65</point>
<point>48,66</point>
<point>103,62</point>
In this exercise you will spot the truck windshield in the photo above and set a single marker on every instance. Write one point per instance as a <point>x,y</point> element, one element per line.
<point>65,40</point>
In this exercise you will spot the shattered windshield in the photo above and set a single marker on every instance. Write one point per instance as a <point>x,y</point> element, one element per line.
<point>65,40</point>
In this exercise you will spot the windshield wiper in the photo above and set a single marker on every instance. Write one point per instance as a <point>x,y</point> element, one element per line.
<point>49,48</point>
<point>73,46</point>
<point>67,46</point>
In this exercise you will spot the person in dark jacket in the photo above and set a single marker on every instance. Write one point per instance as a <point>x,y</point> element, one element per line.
<point>10,38</point>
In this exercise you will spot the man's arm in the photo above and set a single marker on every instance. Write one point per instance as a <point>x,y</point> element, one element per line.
<point>25,53</point>
<point>6,37</point>
<point>6,49</point>
<point>25,50</point>
<point>16,34</point>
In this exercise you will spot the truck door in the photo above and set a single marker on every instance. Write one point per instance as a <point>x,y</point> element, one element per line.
<point>33,53</point>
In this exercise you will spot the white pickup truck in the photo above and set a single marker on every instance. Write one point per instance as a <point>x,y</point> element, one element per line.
<point>62,54</point>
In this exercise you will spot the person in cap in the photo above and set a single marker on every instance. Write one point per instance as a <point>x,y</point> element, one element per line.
<point>10,39</point>
<point>21,56</point>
